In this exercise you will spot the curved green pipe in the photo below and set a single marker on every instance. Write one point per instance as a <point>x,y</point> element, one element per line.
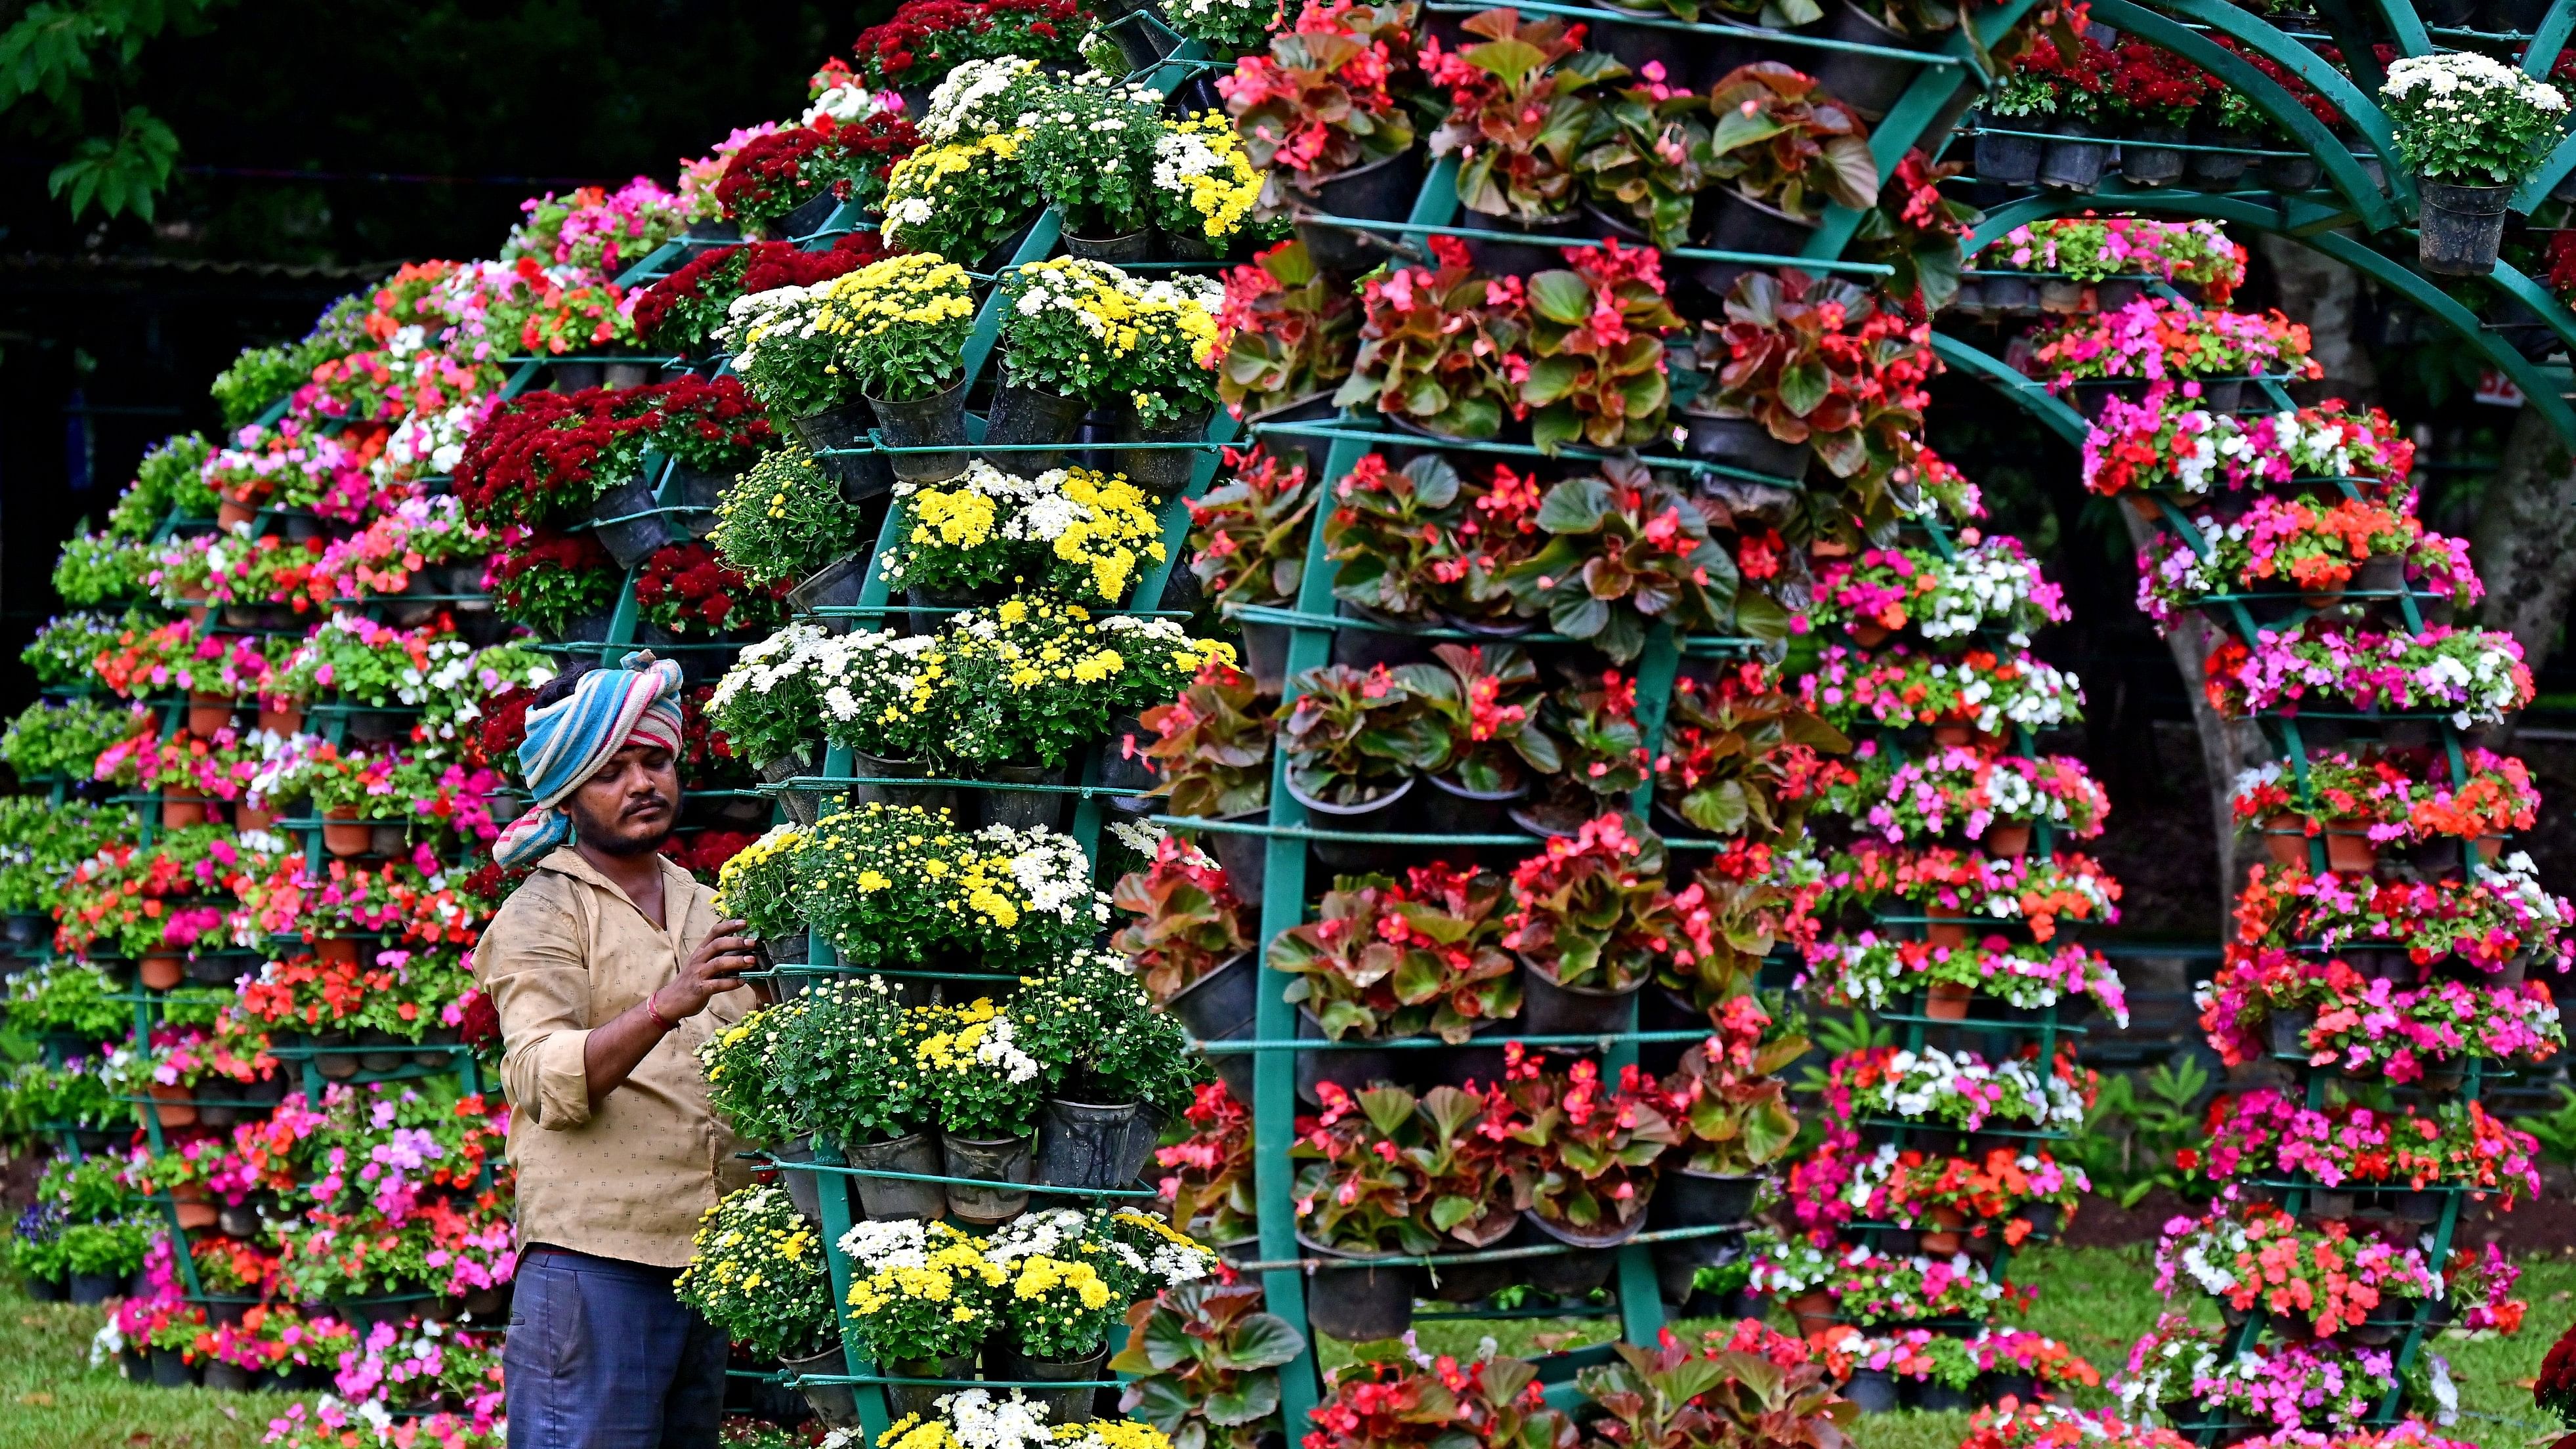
<point>2539,388</point>
<point>2024,390</point>
<point>2547,41</point>
<point>2376,208</point>
<point>2407,26</point>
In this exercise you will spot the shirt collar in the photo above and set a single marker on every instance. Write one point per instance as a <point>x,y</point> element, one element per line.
<point>679,888</point>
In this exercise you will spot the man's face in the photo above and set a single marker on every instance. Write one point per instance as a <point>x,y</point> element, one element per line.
<point>630,806</point>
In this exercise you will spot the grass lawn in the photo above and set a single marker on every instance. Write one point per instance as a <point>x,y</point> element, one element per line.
<point>2097,1300</point>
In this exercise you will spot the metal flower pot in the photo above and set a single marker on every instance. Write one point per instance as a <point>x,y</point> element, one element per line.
<point>837,1405</point>
<point>2462,227</point>
<point>1083,1144</point>
<point>1356,1297</point>
<point>1023,809</point>
<point>861,476</point>
<point>937,421</point>
<point>625,524</point>
<point>884,1199</point>
<point>986,1159</point>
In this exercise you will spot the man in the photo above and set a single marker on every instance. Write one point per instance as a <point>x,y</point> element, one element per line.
<point>609,967</point>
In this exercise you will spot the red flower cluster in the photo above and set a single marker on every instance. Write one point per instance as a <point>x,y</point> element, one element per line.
<point>783,170</point>
<point>544,456</point>
<point>2148,79</point>
<point>924,30</point>
<point>705,853</point>
<point>683,309</point>
<point>685,587</point>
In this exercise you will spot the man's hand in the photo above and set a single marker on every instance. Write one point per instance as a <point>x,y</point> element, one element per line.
<point>715,966</point>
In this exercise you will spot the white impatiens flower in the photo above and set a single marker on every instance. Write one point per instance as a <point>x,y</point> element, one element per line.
<point>980,1421</point>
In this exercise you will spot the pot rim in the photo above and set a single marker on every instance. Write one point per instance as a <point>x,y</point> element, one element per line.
<point>1550,977</point>
<point>1380,803</point>
<point>1346,1256</point>
<point>1574,1239</point>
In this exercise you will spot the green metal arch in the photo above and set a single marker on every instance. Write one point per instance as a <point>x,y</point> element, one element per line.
<point>2377,209</point>
<point>2541,389</point>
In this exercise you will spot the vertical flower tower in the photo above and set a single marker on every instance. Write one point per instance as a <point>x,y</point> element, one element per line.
<point>1961,888</point>
<point>2389,943</point>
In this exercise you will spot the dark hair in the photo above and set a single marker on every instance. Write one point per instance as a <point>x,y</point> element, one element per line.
<point>561,686</point>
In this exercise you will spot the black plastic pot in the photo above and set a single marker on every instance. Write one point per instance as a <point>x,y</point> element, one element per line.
<point>90,1288</point>
<point>2008,160</point>
<point>2043,1218</point>
<point>994,1159</point>
<point>575,376</point>
<point>1133,246</point>
<point>1022,809</point>
<point>1245,856</point>
<point>48,1290</point>
<point>1030,415</point>
<point>1727,220</point>
<point>809,216</point>
<point>1353,1069</point>
<point>1063,1406</point>
<point>2010,296</point>
<point>637,532</point>
<point>2149,158</point>
<point>1688,1199</point>
<point>923,1399</point>
<point>2289,1031</point>
<point>837,1405</point>
<point>1365,648</point>
<point>919,797</point>
<point>699,489</point>
<point>2291,173</point>
<point>1496,257</point>
<point>2113,293</point>
<point>1381,190</point>
<point>1572,1274</point>
<point>804,1189</point>
<point>861,476</point>
<point>1188,246</point>
<point>1548,1009</point>
<point>1638,46</point>
<point>1158,473</point>
<point>2462,227</point>
<point>1083,1144</point>
<point>884,1199</point>
<point>1743,443</point>
<point>1376,816</point>
<point>2074,161</point>
<point>170,1371</point>
<point>2217,168</point>
<point>1867,83</point>
<point>1222,1006</point>
<point>1994,1388</point>
<point>1142,44</point>
<point>836,585</point>
<point>933,421</point>
<point>1473,1282</point>
<point>1449,808</point>
<point>1265,655</point>
<point>1872,1391</point>
<point>1371,1299</point>
<point>1935,1397</point>
<point>228,1378</point>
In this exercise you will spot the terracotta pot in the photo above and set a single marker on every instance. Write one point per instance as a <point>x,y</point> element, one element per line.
<point>2286,839</point>
<point>1867,635</point>
<point>182,813</point>
<point>2490,847</point>
<point>194,1216</point>
<point>2007,842</point>
<point>2144,505</point>
<point>285,719</point>
<point>1829,548</point>
<point>1942,1238</point>
<point>249,817</point>
<point>232,513</point>
<point>1940,934</point>
<point>1947,1001</point>
<point>345,839</point>
<point>338,950</point>
<point>208,713</point>
<point>1814,1312</point>
<point>162,971</point>
<point>1952,736</point>
<point>2350,851</point>
<point>175,1109</point>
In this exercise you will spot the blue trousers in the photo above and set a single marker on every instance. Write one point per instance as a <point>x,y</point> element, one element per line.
<point>602,1356</point>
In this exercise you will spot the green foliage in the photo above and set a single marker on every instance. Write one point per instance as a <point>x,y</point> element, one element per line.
<point>99,568</point>
<point>62,739</point>
<point>756,1271</point>
<point>1205,1360</point>
<point>2130,1138</point>
<point>65,650</point>
<point>2556,1128</point>
<point>258,378</point>
<point>784,519</point>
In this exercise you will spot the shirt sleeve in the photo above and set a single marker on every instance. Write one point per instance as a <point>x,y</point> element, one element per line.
<point>530,961</point>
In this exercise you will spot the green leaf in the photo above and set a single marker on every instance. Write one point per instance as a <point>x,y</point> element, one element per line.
<point>1578,615</point>
<point>1576,505</point>
<point>1253,1398</point>
<point>1803,387</point>
<point>1508,59</point>
<point>1555,427</point>
<point>1561,297</point>
<point>1263,1340</point>
<point>1164,1403</point>
<point>1550,378</point>
<point>1736,130</point>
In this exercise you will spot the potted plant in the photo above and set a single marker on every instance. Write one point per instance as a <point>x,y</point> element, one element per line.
<point>1355,741</point>
<point>756,1271</point>
<point>1204,186</point>
<point>1357,1194</point>
<point>1518,115</point>
<point>787,518</point>
<point>1090,154</point>
<point>1248,547</point>
<point>853,1061</point>
<point>1288,331</point>
<point>880,695</point>
<point>2154,92</point>
<point>1787,151</point>
<point>1625,550</point>
<point>1166,382</point>
<point>1597,358</point>
<point>1190,943</point>
<point>957,550</point>
<point>2474,675</point>
<point>1394,533</point>
<point>1742,756</point>
<point>1487,701</point>
<point>1056,359</point>
<point>985,1090</point>
<point>1870,362</point>
<point>1591,920</point>
<point>1386,959</point>
<point>1322,114</point>
<point>923,1298</point>
<point>1440,351</point>
<point>1108,1056</point>
<point>1203,1360</point>
<point>1646,161</point>
<point>1587,1171</point>
<point>2473,128</point>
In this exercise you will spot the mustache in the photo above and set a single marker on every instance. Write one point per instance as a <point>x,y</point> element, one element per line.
<point>641,804</point>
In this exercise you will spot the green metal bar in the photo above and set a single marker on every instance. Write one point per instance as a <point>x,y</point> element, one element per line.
<point>2407,26</point>
<point>2025,392</point>
<point>2562,160</point>
<point>1037,247</point>
<point>2378,210</point>
<point>2549,39</point>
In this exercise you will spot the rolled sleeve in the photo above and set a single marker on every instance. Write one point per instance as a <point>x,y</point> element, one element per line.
<point>530,962</point>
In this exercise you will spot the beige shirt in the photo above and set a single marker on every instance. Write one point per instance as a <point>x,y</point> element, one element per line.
<point>629,1176</point>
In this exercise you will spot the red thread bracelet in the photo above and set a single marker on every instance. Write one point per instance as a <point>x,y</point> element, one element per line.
<point>655,1012</point>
